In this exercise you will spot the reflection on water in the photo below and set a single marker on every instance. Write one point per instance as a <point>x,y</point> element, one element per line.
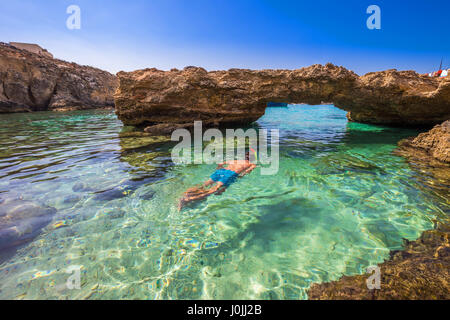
<point>74,193</point>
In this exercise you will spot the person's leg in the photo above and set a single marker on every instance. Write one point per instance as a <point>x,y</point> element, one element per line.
<point>201,194</point>
<point>216,187</point>
<point>221,190</point>
<point>193,190</point>
<point>208,182</point>
<point>200,187</point>
<point>192,197</point>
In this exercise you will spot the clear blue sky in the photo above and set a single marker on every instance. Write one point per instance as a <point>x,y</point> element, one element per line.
<point>220,34</point>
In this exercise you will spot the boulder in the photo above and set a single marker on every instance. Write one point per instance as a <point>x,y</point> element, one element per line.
<point>435,143</point>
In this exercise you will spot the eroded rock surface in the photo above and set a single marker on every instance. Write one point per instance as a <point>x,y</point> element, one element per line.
<point>434,143</point>
<point>240,96</point>
<point>32,82</point>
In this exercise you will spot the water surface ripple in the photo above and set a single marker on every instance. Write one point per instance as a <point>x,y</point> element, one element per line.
<point>339,203</point>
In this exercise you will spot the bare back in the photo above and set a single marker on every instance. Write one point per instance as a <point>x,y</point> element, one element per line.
<point>238,166</point>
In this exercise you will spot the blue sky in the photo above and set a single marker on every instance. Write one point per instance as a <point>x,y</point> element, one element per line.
<point>220,34</point>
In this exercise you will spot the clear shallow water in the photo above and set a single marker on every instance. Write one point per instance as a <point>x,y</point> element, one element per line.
<point>339,203</point>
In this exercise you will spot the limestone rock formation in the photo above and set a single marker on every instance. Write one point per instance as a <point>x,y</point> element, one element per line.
<point>435,143</point>
<point>34,82</point>
<point>239,96</point>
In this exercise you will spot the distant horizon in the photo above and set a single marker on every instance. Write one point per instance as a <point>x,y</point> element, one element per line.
<point>219,35</point>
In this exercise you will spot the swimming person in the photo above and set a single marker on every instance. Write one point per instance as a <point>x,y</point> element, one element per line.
<point>222,178</point>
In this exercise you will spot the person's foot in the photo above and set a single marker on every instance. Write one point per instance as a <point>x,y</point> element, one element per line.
<point>181,204</point>
<point>220,191</point>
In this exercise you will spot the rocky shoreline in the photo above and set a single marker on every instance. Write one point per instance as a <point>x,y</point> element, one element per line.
<point>434,143</point>
<point>32,82</point>
<point>422,269</point>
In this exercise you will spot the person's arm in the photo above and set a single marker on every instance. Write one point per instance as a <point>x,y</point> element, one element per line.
<point>248,170</point>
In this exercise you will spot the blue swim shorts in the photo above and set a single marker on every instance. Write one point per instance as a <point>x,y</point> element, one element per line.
<point>225,176</point>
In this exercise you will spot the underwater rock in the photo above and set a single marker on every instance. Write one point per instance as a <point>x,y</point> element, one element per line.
<point>343,163</point>
<point>32,82</point>
<point>436,143</point>
<point>144,161</point>
<point>148,195</point>
<point>115,214</point>
<point>134,134</point>
<point>71,199</point>
<point>81,187</point>
<point>163,99</point>
<point>166,128</point>
<point>108,195</point>
<point>112,194</point>
<point>22,220</point>
<point>131,143</point>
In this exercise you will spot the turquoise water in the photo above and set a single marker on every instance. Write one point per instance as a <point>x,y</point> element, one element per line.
<point>339,203</point>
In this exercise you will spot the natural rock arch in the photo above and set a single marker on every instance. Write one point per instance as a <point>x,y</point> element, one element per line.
<point>240,96</point>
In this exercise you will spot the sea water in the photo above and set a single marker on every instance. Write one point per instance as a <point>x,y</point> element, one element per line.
<point>340,202</point>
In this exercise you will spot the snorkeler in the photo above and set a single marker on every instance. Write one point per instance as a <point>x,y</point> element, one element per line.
<point>221,179</point>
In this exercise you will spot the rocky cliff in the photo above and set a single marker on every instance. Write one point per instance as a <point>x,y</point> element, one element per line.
<point>237,96</point>
<point>32,82</point>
